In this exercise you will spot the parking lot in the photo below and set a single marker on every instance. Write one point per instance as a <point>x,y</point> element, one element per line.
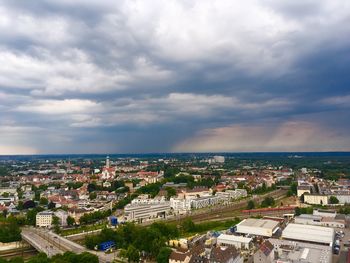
<point>342,256</point>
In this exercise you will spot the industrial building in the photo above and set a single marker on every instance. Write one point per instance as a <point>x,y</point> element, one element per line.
<point>258,227</point>
<point>276,250</point>
<point>317,220</point>
<point>44,219</point>
<point>142,212</point>
<point>312,234</point>
<point>238,242</point>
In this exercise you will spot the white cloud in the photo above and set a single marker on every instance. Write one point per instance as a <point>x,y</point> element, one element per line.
<point>285,136</point>
<point>67,106</point>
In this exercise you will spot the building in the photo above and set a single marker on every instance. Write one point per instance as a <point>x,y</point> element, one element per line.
<point>205,201</point>
<point>62,217</point>
<point>225,255</point>
<point>219,159</point>
<point>257,227</point>
<point>315,199</point>
<point>317,220</point>
<point>265,253</point>
<point>302,189</point>
<point>325,213</point>
<point>312,234</point>
<point>238,242</point>
<point>142,212</point>
<point>44,219</point>
<point>180,206</point>
<point>179,257</point>
<point>291,251</point>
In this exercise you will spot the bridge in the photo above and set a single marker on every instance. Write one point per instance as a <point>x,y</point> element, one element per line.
<point>50,243</point>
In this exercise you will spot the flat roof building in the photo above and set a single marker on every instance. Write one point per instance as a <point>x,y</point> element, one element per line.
<point>307,233</point>
<point>44,219</point>
<point>238,242</point>
<point>318,220</point>
<point>257,227</point>
<point>291,251</point>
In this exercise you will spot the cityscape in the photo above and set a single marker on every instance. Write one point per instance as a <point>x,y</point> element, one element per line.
<point>178,131</point>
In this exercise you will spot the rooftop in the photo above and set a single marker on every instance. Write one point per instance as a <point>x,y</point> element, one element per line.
<point>262,223</point>
<point>317,234</point>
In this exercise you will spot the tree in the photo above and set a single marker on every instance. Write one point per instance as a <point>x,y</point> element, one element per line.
<point>133,254</point>
<point>43,201</point>
<point>251,204</point>
<point>268,201</point>
<point>87,257</point>
<point>188,225</point>
<point>5,194</point>
<point>163,255</point>
<point>51,205</point>
<point>333,200</point>
<point>92,196</point>
<point>70,221</point>
<point>29,204</point>
<point>56,224</point>
<point>10,231</point>
<point>16,260</point>
<point>91,187</point>
<point>170,192</point>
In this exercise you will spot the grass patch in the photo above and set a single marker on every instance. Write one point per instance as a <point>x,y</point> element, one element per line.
<point>81,229</point>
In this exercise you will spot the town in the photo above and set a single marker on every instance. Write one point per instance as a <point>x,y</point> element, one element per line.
<point>190,208</point>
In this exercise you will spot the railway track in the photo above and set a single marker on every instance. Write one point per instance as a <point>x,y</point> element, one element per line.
<point>21,252</point>
<point>230,210</point>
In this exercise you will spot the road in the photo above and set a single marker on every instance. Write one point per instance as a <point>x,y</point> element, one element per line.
<point>46,241</point>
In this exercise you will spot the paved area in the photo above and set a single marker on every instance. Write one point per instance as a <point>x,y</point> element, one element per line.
<point>341,258</point>
<point>41,242</point>
<point>46,241</point>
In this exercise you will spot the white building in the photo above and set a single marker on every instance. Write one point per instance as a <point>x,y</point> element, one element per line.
<point>317,220</point>
<point>294,252</point>
<point>238,242</point>
<point>44,219</point>
<point>315,199</point>
<point>180,206</point>
<point>219,159</point>
<point>307,233</point>
<point>205,201</point>
<point>145,199</point>
<point>233,194</point>
<point>257,227</point>
<point>143,212</point>
<point>62,217</point>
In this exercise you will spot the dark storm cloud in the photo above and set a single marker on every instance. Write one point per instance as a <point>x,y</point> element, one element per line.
<point>130,76</point>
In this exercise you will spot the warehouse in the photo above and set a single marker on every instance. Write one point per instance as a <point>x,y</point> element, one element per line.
<point>257,227</point>
<point>315,220</point>
<point>312,234</point>
<point>238,242</point>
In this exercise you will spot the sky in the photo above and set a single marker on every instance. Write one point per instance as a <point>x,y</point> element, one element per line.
<point>113,76</point>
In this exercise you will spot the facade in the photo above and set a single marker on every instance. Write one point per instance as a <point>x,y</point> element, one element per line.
<point>180,206</point>
<point>44,219</point>
<point>303,189</point>
<point>291,251</point>
<point>313,234</point>
<point>178,257</point>
<point>238,242</point>
<point>205,201</point>
<point>318,220</point>
<point>316,199</point>
<point>142,212</point>
<point>257,227</point>
<point>62,217</point>
<point>265,253</point>
<point>225,255</point>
